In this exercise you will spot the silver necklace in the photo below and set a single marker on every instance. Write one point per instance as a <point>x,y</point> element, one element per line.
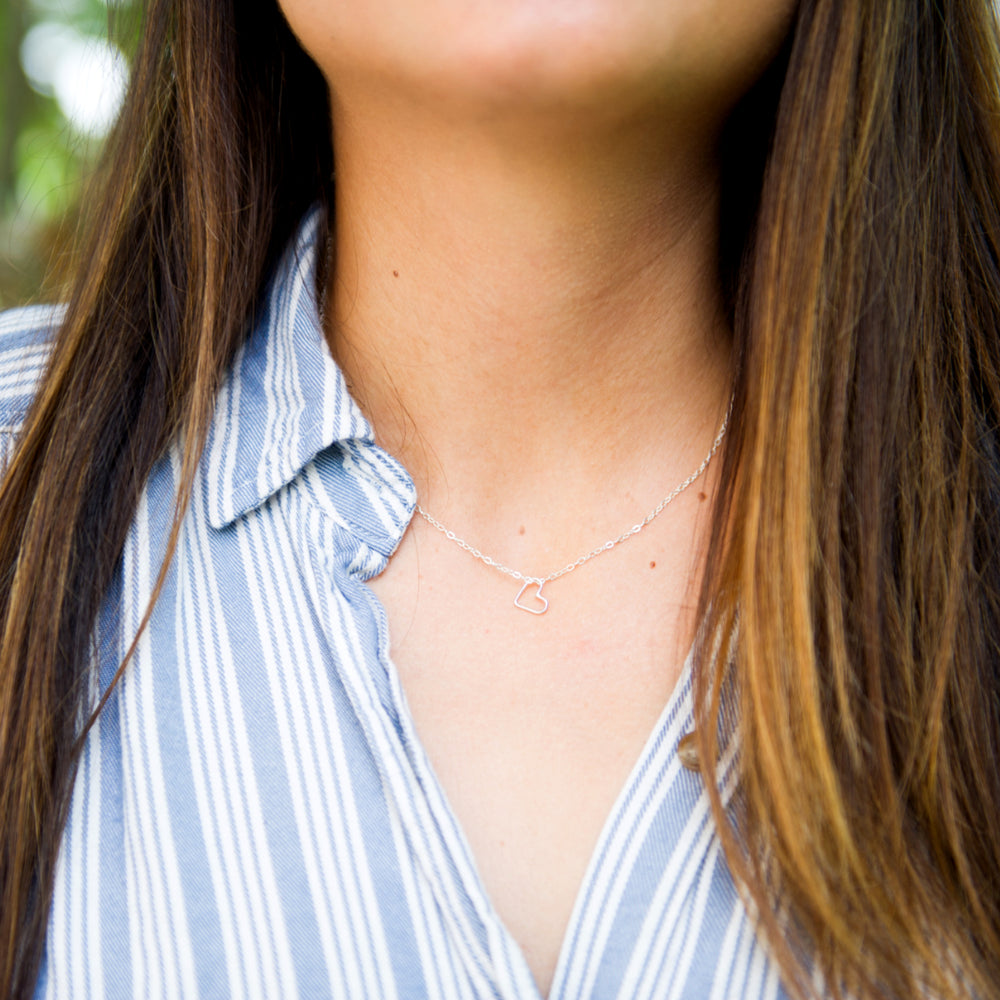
<point>541,604</point>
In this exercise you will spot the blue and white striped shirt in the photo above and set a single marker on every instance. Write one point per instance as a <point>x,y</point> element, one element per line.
<point>254,815</point>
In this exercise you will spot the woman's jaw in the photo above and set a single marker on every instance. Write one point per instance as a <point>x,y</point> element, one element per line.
<point>564,57</point>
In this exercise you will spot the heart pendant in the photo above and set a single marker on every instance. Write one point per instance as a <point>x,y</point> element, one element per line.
<point>541,607</point>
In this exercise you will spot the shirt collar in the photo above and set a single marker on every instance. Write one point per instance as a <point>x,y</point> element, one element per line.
<point>284,399</point>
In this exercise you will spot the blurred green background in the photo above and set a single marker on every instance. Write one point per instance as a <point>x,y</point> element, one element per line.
<point>61,84</point>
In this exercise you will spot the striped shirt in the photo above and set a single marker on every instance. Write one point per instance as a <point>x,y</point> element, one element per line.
<point>254,814</point>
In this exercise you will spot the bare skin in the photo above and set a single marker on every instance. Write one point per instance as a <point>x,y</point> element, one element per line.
<point>525,301</point>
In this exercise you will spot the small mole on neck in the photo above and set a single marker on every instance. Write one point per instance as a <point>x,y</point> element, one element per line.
<point>395,274</point>
<point>701,496</point>
<point>652,565</point>
<point>520,530</point>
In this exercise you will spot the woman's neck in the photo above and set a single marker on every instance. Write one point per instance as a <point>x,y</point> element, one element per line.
<point>517,298</point>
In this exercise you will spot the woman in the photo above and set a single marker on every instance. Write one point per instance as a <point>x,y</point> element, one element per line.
<point>561,265</point>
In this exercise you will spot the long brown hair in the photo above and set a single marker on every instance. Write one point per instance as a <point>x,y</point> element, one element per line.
<point>859,563</point>
<point>855,556</point>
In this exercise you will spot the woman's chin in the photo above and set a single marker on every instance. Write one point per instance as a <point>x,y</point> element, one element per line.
<point>523,54</point>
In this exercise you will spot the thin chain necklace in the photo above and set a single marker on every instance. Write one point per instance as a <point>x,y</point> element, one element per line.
<point>541,604</point>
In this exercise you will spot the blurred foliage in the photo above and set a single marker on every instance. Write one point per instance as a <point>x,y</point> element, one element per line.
<point>44,157</point>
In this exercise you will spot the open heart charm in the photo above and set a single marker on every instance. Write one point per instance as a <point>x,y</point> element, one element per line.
<point>541,604</point>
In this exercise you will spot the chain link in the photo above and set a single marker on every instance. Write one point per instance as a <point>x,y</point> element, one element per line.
<point>594,553</point>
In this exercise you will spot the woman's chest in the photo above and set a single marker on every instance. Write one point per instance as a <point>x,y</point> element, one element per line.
<point>532,728</point>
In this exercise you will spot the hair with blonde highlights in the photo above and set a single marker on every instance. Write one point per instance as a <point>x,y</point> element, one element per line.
<point>853,578</point>
<point>859,568</point>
